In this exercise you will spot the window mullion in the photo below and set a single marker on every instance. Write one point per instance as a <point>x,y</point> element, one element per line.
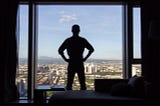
<point>130,38</point>
<point>32,49</point>
<point>128,41</point>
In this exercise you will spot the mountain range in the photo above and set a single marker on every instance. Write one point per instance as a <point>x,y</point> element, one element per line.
<point>51,60</point>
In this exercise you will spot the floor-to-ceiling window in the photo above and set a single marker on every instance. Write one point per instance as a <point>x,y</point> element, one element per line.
<point>136,66</point>
<point>22,70</point>
<point>101,25</point>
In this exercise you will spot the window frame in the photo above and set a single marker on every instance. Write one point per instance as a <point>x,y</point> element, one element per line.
<point>128,59</point>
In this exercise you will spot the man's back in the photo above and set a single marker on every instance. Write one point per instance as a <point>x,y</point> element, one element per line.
<point>75,47</point>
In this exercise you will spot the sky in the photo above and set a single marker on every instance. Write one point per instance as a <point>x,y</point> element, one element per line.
<point>101,25</point>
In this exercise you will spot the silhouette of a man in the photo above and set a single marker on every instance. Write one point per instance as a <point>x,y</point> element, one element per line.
<point>75,46</point>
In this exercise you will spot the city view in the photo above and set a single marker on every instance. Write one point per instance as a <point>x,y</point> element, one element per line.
<point>101,25</point>
<point>54,72</point>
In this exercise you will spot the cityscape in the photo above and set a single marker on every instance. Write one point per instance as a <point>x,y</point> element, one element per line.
<point>53,25</point>
<point>55,73</point>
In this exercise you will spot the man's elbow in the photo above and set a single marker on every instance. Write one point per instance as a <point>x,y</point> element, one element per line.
<point>60,52</point>
<point>91,51</point>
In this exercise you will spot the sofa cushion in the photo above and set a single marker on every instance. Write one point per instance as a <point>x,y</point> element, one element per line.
<point>105,85</point>
<point>120,89</point>
<point>91,98</point>
<point>137,86</point>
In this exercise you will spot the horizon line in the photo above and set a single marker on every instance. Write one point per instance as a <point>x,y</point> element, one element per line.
<point>46,57</point>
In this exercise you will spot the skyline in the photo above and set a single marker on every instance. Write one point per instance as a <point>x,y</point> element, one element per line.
<point>101,25</point>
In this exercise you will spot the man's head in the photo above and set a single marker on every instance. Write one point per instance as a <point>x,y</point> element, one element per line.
<point>75,29</point>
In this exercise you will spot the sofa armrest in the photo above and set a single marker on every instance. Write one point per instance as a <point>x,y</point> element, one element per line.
<point>104,85</point>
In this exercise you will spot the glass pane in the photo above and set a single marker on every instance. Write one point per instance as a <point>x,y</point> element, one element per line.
<point>136,69</point>
<point>101,25</point>
<point>22,70</point>
<point>137,32</point>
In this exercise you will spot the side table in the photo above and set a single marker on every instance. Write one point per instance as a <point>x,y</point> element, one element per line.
<point>40,92</point>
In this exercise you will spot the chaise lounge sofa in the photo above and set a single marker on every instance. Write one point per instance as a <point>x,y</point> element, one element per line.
<point>108,92</point>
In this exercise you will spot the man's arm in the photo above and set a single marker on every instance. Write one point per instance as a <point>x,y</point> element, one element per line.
<point>61,51</point>
<point>89,53</point>
<point>64,57</point>
<point>91,50</point>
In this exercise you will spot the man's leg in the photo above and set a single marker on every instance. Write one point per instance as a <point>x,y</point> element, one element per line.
<point>81,77</point>
<point>70,78</point>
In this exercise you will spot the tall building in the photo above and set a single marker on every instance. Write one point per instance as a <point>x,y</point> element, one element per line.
<point>22,88</point>
<point>90,68</point>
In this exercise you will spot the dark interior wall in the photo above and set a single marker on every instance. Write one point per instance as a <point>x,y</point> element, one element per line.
<point>150,47</point>
<point>8,48</point>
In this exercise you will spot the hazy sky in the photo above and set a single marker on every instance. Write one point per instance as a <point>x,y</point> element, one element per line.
<point>101,25</point>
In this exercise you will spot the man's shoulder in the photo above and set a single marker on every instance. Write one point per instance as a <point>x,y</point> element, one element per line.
<point>82,38</point>
<point>79,38</point>
<point>67,39</point>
